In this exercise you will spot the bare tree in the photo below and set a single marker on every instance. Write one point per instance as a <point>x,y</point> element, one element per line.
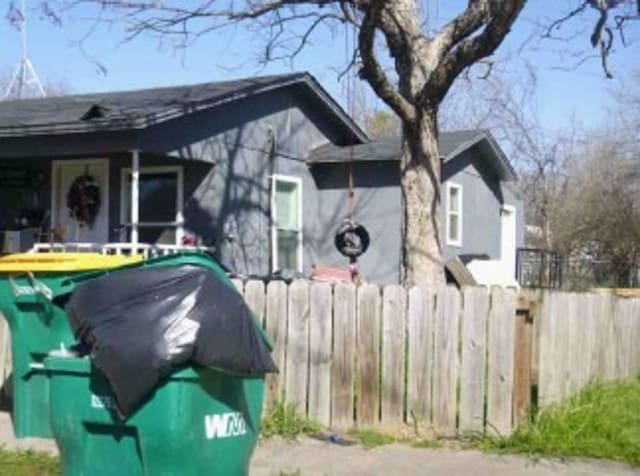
<point>425,60</point>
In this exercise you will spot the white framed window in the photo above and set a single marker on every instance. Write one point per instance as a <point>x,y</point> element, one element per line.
<point>286,216</point>
<point>454,214</point>
<point>160,204</point>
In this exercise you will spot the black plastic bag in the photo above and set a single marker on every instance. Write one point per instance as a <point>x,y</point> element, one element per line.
<point>138,324</point>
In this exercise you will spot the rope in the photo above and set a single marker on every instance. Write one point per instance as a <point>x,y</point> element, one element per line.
<point>349,50</point>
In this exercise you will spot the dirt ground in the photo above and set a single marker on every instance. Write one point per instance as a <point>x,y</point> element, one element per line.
<point>309,457</point>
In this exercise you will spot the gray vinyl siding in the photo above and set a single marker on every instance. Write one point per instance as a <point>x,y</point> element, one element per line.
<point>230,203</point>
<point>379,209</point>
<point>483,196</point>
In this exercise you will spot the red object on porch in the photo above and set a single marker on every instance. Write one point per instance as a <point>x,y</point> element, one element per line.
<point>331,274</point>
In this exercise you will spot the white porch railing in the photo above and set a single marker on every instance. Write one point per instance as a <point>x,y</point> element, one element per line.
<point>147,250</point>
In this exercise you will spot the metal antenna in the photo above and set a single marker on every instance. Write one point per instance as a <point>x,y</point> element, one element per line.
<point>25,77</point>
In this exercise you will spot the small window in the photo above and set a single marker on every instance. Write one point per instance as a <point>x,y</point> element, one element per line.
<point>454,214</point>
<point>287,223</point>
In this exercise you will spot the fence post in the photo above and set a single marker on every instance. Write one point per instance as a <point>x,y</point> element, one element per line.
<point>523,358</point>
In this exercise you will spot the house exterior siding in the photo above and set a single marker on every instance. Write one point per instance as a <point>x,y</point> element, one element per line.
<point>378,208</point>
<point>483,197</point>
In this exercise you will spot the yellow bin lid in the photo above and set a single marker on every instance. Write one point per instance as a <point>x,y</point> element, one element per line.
<point>61,262</point>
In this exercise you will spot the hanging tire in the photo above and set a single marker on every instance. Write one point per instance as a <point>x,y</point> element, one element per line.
<point>352,239</point>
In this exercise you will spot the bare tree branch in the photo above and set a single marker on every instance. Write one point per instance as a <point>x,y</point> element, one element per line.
<point>371,70</point>
<point>497,21</point>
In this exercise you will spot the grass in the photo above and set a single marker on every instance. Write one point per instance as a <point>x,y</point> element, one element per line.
<point>372,439</point>
<point>602,421</point>
<point>284,420</point>
<point>28,463</point>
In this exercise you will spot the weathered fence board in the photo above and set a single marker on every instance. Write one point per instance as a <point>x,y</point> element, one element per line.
<point>546,348</point>
<point>344,341</point>
<point>522,365</point>
<point>574,342</point>
<point>473,358</point>
<point>254,294</point>
<point>276,328</point>
<point>501,352</point>
<point>368,348</point>
<point>320,331</point>
<point>446,360</point>
<point>420,322</point>
<point>393,342</point>
<point>297,355</point>
<point>635,339</point>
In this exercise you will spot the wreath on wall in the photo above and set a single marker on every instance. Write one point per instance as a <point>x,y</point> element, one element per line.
<point>83,199</point>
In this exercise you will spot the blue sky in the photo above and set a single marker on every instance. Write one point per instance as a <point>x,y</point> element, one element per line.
<point>56,53</point>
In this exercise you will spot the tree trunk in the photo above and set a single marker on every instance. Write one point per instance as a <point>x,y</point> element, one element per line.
<point>420,180</point>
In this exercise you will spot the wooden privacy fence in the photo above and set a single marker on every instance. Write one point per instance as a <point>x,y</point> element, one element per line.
<point>453,361</point>
<point>583,338</point>
<point>385,356</point>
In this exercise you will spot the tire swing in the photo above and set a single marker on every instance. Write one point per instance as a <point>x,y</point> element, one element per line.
<point>352,239</point>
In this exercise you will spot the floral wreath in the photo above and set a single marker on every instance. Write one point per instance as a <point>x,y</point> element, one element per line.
<point>83,199</point>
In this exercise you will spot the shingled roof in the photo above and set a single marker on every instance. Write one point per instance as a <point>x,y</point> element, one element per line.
<point>451,144</point>
<point>142,108</point>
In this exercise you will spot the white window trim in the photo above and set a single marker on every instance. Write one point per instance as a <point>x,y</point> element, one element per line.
<point>457,186</point>
<point>178,222</point>
<point>274,218</point>
<point>57,195</point>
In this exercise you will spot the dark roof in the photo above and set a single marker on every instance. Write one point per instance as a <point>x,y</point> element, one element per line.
<point>141,108</point>
<point>451,144</point>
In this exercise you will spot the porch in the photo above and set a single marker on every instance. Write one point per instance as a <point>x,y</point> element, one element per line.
<point>84,203</point>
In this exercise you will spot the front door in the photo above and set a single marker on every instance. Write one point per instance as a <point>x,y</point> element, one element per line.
<point>95,227</point>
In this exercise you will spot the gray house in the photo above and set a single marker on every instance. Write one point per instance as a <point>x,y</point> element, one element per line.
<point>482,212</point>
<point>254,168</point>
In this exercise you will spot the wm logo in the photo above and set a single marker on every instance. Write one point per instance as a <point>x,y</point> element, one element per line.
<point>224,425</point>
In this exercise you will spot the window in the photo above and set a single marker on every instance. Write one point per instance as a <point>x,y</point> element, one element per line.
<point>159,202</point>
<point>286,235</point>
<point>454,214</point>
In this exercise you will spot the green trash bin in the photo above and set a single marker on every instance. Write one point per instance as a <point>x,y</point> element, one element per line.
<point>199,421</point>
<point>29,284</point>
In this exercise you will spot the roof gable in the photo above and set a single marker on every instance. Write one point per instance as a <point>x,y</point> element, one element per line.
<point>451,145</point>
<point>139,109</point>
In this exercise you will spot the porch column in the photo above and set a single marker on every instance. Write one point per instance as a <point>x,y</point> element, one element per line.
<point>135,192</point>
